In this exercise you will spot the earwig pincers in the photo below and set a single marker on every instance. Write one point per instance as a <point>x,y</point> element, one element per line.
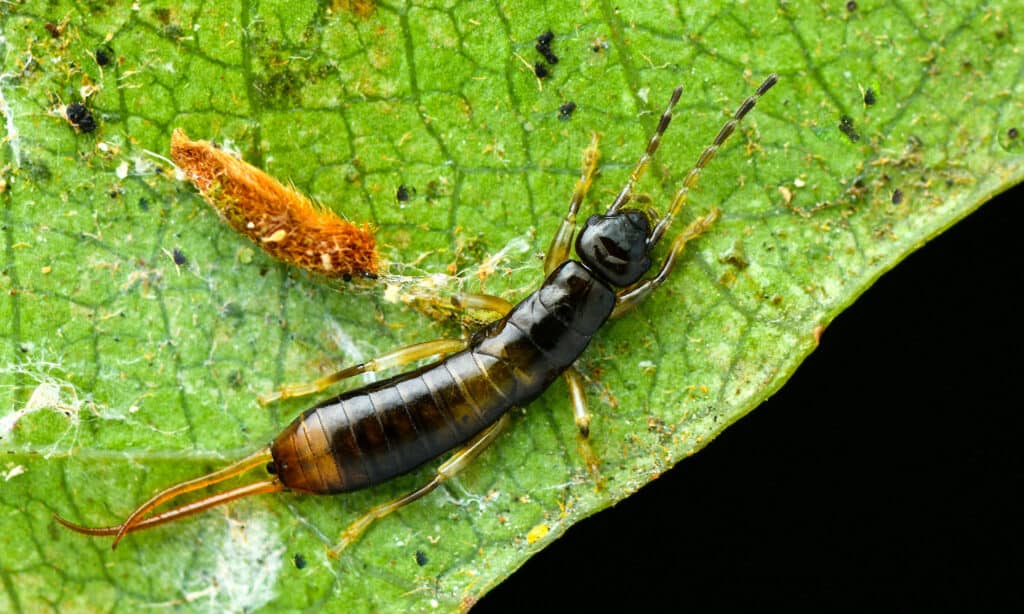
<point>366,436</point>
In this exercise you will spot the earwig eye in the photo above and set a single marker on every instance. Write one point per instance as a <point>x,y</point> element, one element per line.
<point>271,468</point>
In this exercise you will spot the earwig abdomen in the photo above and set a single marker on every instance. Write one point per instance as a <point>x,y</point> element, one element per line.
<point>366,436</point>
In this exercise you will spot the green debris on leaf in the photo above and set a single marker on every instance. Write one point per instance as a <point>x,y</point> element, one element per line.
<point>136,330</point>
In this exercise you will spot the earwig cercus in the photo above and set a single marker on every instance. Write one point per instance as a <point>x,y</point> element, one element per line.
<point>368,435</point>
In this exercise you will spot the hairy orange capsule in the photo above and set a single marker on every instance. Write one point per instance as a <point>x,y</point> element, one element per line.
<point>282,221</point>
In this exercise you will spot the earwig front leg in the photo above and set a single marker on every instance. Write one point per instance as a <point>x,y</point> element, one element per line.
<point>557,253</point>
<point>628,299</point>
<point>561,243</point>
<point>399,357</point>
<point>448,469</point>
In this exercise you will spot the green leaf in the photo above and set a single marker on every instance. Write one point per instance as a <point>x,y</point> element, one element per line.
<point>137,330</point>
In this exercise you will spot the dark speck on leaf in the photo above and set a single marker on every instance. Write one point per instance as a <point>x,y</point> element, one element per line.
<point>565,111</point>
<point>143,204</point>
<point>869,97</point>
<point>851,6</point>
<point>299,560</point>
<point>540,70</point>
<point>897,196</point>
<point>104,55</point>
<point>1012,133</point>
<point>543,47</point>
<point>80,117</point>
<point>421,558</point>
<point>232,310</point>
<point>846,127</point>
<point>403,194</point>
<point>179,257</point>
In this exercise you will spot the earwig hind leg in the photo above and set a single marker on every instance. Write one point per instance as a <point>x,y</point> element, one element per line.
<point>399,357</point>
<point>628,299</point>
<point>561,243</point>
<point>448,469</point>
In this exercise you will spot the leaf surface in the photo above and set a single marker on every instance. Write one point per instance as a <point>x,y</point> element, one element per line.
<point>137,330</point>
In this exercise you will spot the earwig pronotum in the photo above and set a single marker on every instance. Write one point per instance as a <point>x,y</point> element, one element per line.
<point>368,435</point>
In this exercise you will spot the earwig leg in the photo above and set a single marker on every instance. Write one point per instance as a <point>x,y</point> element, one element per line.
<point>561,243</point>
<point>484,302</point>
<point>578,397</point>
<point>574,381</point>
<point>448,469</point>
<point>628,299</point>
<point>462,302</point>
<point>401,356</point>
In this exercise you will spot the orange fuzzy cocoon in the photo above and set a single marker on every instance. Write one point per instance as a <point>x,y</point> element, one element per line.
<point>285,223</point>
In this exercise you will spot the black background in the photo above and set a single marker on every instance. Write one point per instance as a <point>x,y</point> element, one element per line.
<point>886,471</point>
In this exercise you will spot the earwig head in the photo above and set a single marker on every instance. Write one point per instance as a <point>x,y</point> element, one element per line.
<point>614,246</point>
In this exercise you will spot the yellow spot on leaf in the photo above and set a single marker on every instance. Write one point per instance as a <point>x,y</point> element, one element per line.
<point>537,533</point>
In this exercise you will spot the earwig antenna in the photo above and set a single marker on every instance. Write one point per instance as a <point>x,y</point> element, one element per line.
<point>652,146</point>
<point>705,157</point>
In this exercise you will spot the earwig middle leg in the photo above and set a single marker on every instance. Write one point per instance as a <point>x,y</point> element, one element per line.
<point>561,243</point>
<point>628,299</point>
<point>448,469</point>
<point>484,302</point>
<point>578,398</point>
<point>441,306</point>
<point>399,357</point>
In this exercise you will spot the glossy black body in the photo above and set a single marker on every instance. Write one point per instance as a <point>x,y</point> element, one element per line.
<point>615,247</point>
<point>371,434</point>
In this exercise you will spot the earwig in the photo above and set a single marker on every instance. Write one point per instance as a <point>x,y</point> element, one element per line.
<point>366,436</point>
